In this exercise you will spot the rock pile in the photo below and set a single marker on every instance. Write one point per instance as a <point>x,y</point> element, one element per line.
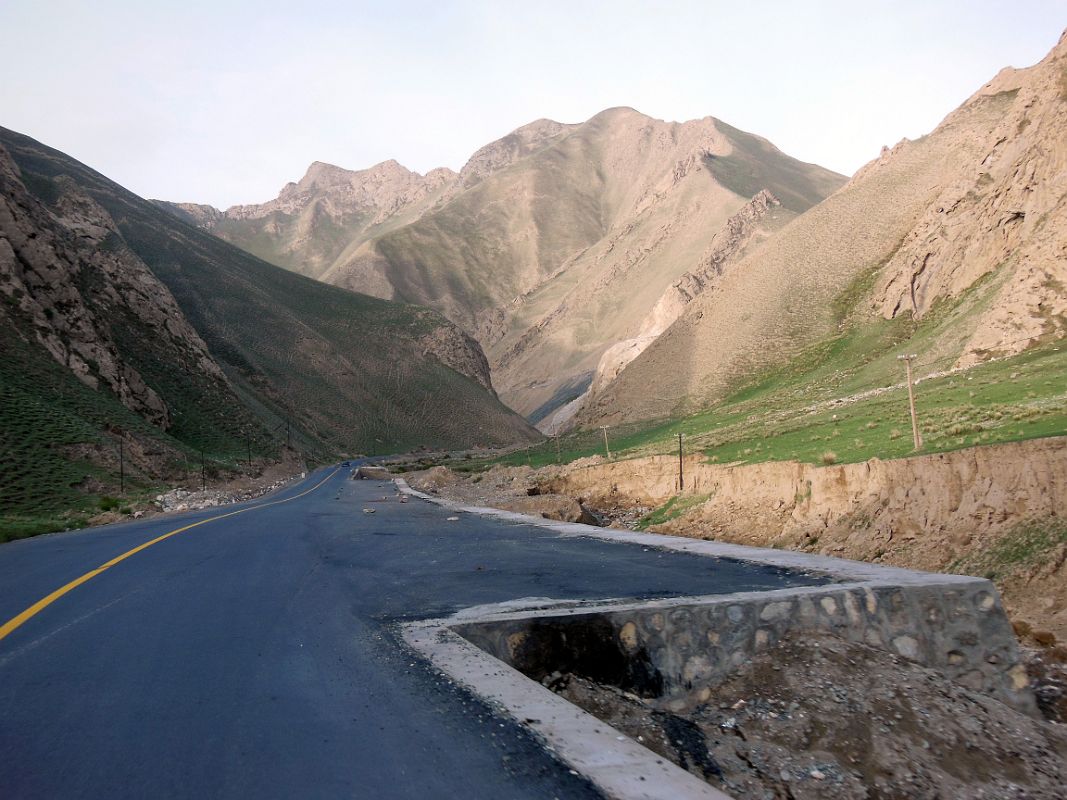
<point>185,500</point>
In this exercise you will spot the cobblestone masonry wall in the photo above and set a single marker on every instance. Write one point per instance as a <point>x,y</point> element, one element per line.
<point>693,643</point>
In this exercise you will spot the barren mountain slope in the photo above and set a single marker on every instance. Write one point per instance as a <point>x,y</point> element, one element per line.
<point>559,255</point>
<point>743,232</point>
<point>966,223</point>
<point>557,240</point>
<point>690,180</point>
<point>207,343</point>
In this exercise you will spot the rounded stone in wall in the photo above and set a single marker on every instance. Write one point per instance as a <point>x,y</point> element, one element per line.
<point>629,637</point>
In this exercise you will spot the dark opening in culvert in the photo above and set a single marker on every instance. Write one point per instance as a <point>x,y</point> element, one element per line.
<point>586,645</point>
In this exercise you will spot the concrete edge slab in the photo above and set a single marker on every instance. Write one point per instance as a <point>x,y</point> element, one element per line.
<point>617,765</point>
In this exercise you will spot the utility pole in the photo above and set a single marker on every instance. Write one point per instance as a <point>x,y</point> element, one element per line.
<point>122,470</point>
<point>607,449</point>
<point>916,437</point>
<point>558,457</point>
<point>248,445</point>
<point>288,435</point>
<point>681,474</point>
<point>203,471</point>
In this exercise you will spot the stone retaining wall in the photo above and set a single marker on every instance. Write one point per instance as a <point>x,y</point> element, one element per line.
<point>687,646</point>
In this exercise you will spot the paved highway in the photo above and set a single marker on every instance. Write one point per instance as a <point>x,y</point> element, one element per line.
<point>256,655</point>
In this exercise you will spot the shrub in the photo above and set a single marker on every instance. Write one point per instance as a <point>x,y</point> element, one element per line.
<point>108,503</point>
<point>829,457</point>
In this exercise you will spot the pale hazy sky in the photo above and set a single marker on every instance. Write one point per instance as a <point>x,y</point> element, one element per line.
<point>223,102</point>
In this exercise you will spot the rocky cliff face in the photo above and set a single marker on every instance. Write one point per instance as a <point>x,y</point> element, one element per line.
<point>68,278</point>
<point>1006,213</point>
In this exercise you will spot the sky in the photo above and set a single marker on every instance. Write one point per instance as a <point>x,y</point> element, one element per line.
<point>224,102</point>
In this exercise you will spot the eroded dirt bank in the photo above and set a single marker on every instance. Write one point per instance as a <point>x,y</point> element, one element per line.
<point>999,511</point>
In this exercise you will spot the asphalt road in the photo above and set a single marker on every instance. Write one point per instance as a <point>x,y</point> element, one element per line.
<point>257,655</point>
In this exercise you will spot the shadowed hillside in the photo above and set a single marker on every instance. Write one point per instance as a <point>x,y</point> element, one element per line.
<point>120,321</point>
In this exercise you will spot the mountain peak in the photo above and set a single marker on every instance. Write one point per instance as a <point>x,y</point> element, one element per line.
<point>514,146</point>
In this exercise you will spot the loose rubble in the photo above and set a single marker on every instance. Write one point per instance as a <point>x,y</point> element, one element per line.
<point>1047,668</point>
<point>509,488</point>
<point>185,500</point>
<point>826,719</point>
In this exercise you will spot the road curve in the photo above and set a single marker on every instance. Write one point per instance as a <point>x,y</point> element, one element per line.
<point>255,654</point>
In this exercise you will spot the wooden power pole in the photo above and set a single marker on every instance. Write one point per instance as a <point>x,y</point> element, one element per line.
<point>681,473</point>
<point>916,437</point>
<point>607,449</point>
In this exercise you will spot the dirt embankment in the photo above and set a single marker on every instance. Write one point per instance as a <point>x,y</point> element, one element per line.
<point>999,511</point>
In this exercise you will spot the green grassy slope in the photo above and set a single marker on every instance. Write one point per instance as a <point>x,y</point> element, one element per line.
<point>844,399</point>
<point>59,443</point>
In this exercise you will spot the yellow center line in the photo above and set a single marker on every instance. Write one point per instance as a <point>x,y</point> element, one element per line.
<point>15,622</point>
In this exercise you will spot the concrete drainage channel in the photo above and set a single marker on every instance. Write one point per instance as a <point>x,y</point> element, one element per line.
<point>677,650</point>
